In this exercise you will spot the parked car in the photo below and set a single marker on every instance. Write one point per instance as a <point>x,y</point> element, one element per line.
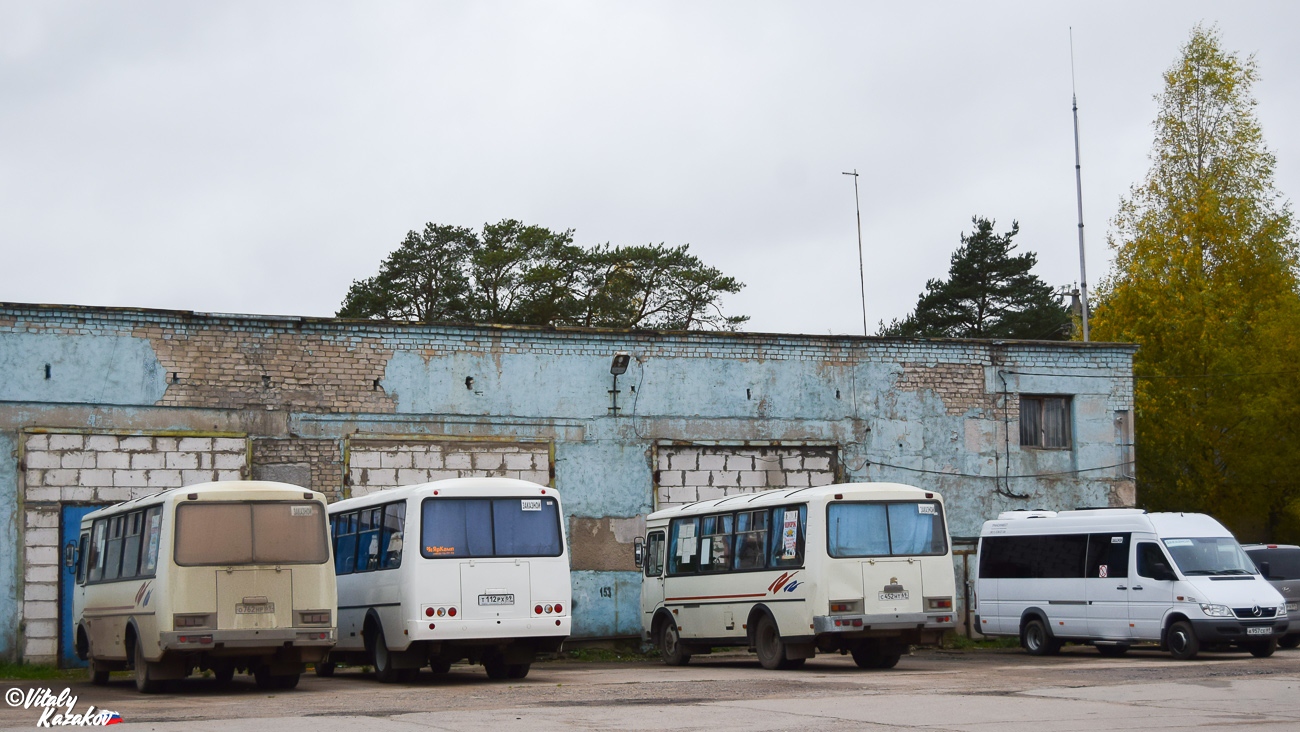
<point>1280,565</point>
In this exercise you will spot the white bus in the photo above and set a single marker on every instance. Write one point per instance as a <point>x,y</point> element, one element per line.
<point>219,576</point>
<point>1121,577</point>
<point>480,572</point>
<point>861,568</point>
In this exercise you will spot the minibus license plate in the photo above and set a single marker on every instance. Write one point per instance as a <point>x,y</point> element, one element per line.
<point>887,596</point>
<point>1259,631</point>
<point>496,599</point>
<point>258,609</point>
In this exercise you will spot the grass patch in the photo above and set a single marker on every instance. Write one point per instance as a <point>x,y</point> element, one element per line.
<point>616,653</point>
<point>956,641</point>
<point>39,672</point>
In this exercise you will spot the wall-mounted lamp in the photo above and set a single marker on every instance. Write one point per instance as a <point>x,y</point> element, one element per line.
<point>469,382</point>
<point>617,367</point>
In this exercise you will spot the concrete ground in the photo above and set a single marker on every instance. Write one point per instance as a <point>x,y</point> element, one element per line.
<point>978,690</point>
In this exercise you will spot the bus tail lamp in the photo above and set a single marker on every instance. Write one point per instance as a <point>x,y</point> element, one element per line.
<point>203,640</point>
<point>939,603</point>
<point>451,612</point>
<point>840,607</point>
<point>313,617</point>
<point>559,608</point>
<point>428,612</point>
<point>192,621</point>
<point>550,609</point>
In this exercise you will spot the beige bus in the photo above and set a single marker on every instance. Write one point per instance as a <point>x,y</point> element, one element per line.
<point>221,577</point>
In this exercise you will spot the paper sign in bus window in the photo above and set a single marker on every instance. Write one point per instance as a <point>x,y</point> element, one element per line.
<point>530,504</point>
<point>685,547</point>
<point>1103,570</point>
<point>926,508</point>
<point>790,534</point>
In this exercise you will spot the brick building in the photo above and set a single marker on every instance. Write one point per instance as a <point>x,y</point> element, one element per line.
<point>98,405</point>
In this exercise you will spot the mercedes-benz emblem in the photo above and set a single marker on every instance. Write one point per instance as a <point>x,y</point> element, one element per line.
<point>1256,611</point>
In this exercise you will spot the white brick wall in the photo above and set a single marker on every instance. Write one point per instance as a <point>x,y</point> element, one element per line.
<point>375,465</point>
<point>99,469</point>
<point>684,474</point>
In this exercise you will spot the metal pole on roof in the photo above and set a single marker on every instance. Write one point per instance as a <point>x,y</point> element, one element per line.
<point>1078,184</point>
<point>862,278</point>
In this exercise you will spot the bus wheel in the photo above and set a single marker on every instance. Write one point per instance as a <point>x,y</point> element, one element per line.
<point>517,670</point>
<point>325,669</point>
<point>671,648</point>
<point>496,667</point>
<point>383,659</point>
<point>1289,641</point>
<point>1113,651</point>
<point>1037,640</point>
<point>876,654</point>
<point>98,673</point>
<point>1262,649</point>
<point>1182,642</point>
<point>267,680</point>
<point>144,681</point>
<point>770,647</point>
<point>439,666</point>
<point>224,674</point>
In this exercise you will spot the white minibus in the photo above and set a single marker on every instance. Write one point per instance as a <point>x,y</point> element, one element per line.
<point>1122,577</point>
<point>482,574</point>
<point>219,576</point>
<point>861,568</point>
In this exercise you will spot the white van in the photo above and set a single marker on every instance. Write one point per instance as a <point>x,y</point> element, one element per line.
<point>1119,577</point>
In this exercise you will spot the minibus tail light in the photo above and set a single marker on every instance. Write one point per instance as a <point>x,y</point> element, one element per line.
<point>314,617</point>
<point>840,607</point>
<point>428,612</point>
<point>192,621</point>
<point>559,608</point>
<point>451,612</point>
<point>537,610</point>
<point>939,603</point>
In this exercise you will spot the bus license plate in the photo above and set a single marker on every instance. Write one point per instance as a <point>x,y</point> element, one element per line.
<point>496,599</point>
<point>258,609</point>
<point>1259,631</point>
<point>887,596</point>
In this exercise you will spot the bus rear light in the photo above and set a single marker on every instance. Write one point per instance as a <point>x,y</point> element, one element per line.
<point>839,607</point>
<point>428,612</point>
<point>192,621</point>
<point>559,608</point>
<point>557,622</point>
<point>537,610</point>
<point>314,617</point>
<point>204,640</point>
<point>550,609</point>
<point>431,626</point>
<point>314,636</point>
<point>943,619</point>
<point>939,603</point>
<point>451,612</point>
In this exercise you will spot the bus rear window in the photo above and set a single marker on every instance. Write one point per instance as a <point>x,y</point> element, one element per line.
<point>232,533</point>
<point>490,527</point>
<point>885,529</point>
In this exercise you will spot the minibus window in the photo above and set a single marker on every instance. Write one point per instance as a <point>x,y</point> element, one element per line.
<point>857,530</point>
<point>1283,564</point>
<point>372,520</point>
<point>788,527</point>
<point>716,542</point>
<point>153,530</point>
<point>97,544</point>
<point>526,527</point>
<point>1209,555</point>
<point>345,547</point>
<point>394,530</point>
<point>1059,556</point>
<point>916,528</point>
<point>751,537</point>
<point>230,533</point>
<point>1107,555</point>
<point>131,546</point>
<point>113,550</point>
<point>82,559</point>
<point>654,554</point>
<point>684,546</point>
<point>1151,562</point>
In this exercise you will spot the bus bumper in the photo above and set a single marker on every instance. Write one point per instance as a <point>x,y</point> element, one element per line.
<point>1219,630</point>
<point>894,621</point>
<point>206,640</point>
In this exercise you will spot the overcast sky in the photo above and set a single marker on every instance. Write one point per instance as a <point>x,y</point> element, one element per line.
<point>257,157</point>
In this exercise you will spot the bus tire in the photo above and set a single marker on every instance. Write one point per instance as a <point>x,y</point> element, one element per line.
<point>1114,651</point>
<point>517,670</point>
<point>144,681</point>
<point>1182,642</point>
<point>671,648</point>
<point>496,666</point>
<point>439,666</point>
<point>1037,639</point>
<point>224,674</point>
<point>382,658</point>
<point>97,672</point>
<point>876,654</point>
<point>1289,641</point>
<point>770,647</point>
<point>325,669</point>
<point>1262,649</point>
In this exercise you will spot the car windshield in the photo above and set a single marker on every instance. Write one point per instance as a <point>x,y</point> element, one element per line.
<point>1210,555</point>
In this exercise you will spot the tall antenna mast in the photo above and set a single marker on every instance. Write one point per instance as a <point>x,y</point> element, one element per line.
<point>862,278</point>
<point>1078,183</point>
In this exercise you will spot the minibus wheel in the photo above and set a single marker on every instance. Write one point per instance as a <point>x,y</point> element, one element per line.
<point>1113,651</point>
<point>144,681</point>
<point>439,666</point>
<point>1262,649</point>
<point>224,674</point>
<point>770,647</point>
<point>1289,641</point>
<point>1182,641</point>
<point>1037,640</point>
<point>324,669</point>
<point>98,673</point>
<point>670,644</point>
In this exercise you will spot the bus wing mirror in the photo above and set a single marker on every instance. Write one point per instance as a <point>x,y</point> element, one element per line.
<point>70,555</point>
<point>638,552</point>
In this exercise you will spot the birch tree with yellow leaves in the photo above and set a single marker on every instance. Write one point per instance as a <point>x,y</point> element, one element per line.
<point>1205,281</point>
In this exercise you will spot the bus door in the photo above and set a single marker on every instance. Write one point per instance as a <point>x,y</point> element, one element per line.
<point>73,555</point>
<point>652,587</point>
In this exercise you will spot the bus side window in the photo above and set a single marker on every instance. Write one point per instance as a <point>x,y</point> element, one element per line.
<point>82,559</point>
<point>654,561</point>
<point>345,552</point>
<point>97,544</point>
<point>131,546</point>
<point>153,537</point>
<point>393,539</point>
<point>751,537</point>
<point>788,526</point>
<point>113,550</point>
<point>716,543</point>
<point>684,546</point>
<point>372,520</point>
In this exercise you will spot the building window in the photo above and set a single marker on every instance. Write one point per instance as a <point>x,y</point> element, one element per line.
<point>1045,421</point>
